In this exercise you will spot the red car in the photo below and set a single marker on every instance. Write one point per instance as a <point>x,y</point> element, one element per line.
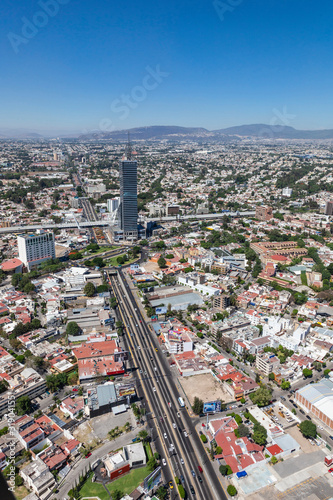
<point>330,470</point>
<point>200,468</point>
<point>75,389</point>
<point>88,455</point>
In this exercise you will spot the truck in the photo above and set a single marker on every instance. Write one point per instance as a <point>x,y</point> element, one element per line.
<point>328,460</point>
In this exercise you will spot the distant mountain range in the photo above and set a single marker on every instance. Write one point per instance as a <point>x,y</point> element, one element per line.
<point>175,134</point>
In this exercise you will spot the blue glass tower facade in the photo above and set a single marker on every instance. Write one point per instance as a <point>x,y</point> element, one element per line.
<point>128,207</point>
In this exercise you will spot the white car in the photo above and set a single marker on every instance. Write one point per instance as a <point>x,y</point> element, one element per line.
<point>182,461</point>
<point>165,436</point>
<point>154,389</point>
<point>163,462</point>
<point>174,425</point>
<point>185,434</point>
<point>178,414</point>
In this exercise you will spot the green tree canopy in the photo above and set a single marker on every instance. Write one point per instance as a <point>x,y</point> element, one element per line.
<point>308,429</point>
<point>259,434</point>
<point>161,262</point>
<point>72,328</point>
<point>197,406</point>
<point>89,289</point>
<point>23,405</point>
<point>261,396</point>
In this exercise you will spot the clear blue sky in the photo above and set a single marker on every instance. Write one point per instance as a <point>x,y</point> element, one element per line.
<point>265,55</point>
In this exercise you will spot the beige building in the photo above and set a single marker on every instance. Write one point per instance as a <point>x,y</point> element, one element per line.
<point>267,363</point>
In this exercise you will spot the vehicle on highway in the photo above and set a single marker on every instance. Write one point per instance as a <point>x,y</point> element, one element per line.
<point>193,473</point>
<point>156,349</point>
<point>165,436</point>
<point>174,425</point>
<point>170,405</point>
<point>182,478</point>
<point>171,485</point>
<point>178,414</point>
<point>182,462</point>
<point>200,468</point>
<point>163,462</point>
<point>185,434</point>
<point>199,479</point>
<point>192,490</point>
<point>154,389</point>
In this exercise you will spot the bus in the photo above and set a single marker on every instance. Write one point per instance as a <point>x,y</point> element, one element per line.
<point>181,402</point>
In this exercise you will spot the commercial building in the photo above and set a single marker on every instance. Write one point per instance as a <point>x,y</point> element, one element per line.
<point>35,248</point>
<point>128,207</point>
<point>329,208</point>
<point>264,213</point>
<point>267,363</point>
<point>101,399</point>
<point>112,204</point>
<point>221,302</point>
<point>317,399</point>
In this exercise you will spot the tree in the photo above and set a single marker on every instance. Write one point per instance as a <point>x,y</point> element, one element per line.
<point>162,493</point>
<point>274,460</point>
<point>203,438</point>
<point>259,435</point>
<point>317,365</point>
<point>326,372</point>
<point>89,289</point>
<point>218,450</point>
<point>151,464</point>
<point>271,376</point>
<point>197,406</point>
<point>23,405</point>
<point>231,490</point>
<point>261,396</point>
<point>243,430</point>
<point>308,429</point>
<point>117,494</point>
<point>143,435</point>
<point>285,385</point>
<point>113,302</point>
<point>307,373</point>
<point>161,263</point>
<point>29,287</point>
<point>223,469</point>
<point>72,328</point>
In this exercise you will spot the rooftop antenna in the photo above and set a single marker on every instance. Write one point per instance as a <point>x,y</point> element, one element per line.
<point>129,148</point>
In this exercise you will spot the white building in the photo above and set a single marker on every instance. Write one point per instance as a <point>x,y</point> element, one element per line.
<point>112,204</point>
<point>35,248</point>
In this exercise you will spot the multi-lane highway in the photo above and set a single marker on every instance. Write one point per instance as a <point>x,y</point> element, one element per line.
<point>172,428</point>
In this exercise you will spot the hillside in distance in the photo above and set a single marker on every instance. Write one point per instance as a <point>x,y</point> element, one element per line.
<point>175,133</point>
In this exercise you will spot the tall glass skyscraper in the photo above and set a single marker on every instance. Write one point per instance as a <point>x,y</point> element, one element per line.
<point>128,207</point>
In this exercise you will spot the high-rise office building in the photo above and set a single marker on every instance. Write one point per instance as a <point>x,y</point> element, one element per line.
<point>128,206</point>
<point>35,248</point>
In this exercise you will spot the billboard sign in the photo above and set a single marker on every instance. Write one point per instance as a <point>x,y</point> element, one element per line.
<point>161,310</point>
<point>152,480</point>
<point>135,267</point>
<point>212,407</point>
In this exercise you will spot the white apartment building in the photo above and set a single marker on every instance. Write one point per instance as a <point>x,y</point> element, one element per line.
<point>35,248</point>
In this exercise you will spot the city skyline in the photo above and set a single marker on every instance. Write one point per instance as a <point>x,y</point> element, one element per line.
<point>71,68</point>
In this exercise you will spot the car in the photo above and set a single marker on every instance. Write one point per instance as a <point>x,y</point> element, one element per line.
<point>200,468</point>
<point>154,389</point>
<point>156,349</point>
<point>193,473</point>
<point>170,485</point>
<point>302,411</point>
<point>75,389</point>
<point>140,371</point>
<point>165,435</point>
<point>308,417</point>
<point>182,478</point>
<point>88,454</point>
<point>199,479</point>
<point>330,470</point>
<point>185,434</point>
<point>182,461</point>
<point>163,462</point>
<point>203,425</point>
<point>283,398</point>
<point>174,425</point>
<point>170,405</point>
<point>192,490</point>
